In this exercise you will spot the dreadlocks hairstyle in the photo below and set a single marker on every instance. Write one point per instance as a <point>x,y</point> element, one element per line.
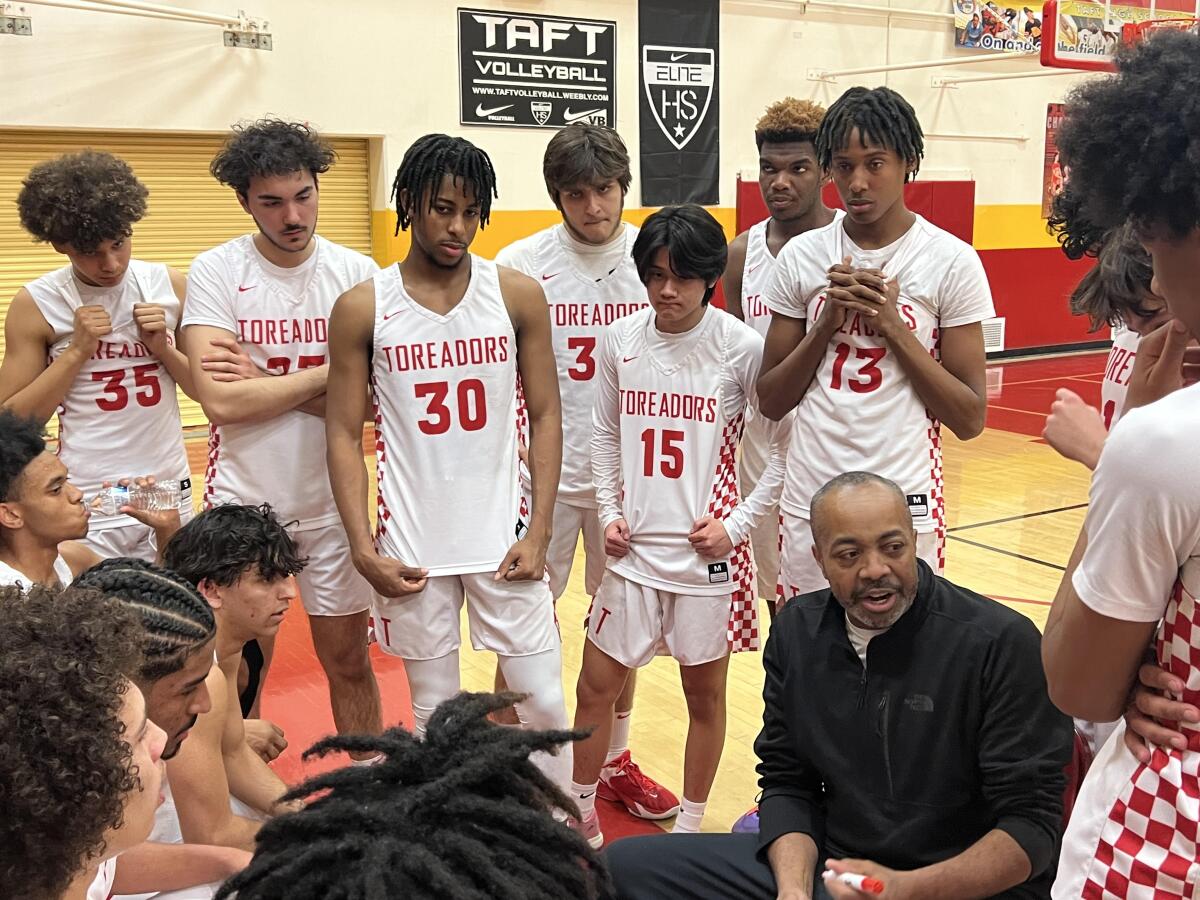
<point>881,116</point>
<point>175,620</point>
<point>270,147</point>
<point>789,121</point>
<point>430,159</point>
<point>81,199</point>
<point>65,658</point>
<point>694,240</point>
<point>21,442</point>
<point>583,154</point>
<point>226,542</point>
<point>1131,145</point>
<point>1118,283</point>
<point>460,815</point>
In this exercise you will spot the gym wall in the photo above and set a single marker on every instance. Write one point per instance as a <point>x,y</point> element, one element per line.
<point>386,70</point>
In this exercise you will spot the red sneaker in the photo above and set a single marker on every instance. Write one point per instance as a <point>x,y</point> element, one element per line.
<point>589,827</point>
<point>623,782</point>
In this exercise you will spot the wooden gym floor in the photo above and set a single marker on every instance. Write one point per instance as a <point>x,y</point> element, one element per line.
<point>1014,510</point>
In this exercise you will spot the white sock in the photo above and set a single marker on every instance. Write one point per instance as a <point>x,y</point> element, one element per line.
<point>619,742</point>
<point>369,761</point>
<point>689,818</point>
<point>584,796</point>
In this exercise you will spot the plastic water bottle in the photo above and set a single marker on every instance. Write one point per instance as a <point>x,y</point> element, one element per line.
<point>160,495</point>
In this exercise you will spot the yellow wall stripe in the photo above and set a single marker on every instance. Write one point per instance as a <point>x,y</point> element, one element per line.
<point>1011,227</point>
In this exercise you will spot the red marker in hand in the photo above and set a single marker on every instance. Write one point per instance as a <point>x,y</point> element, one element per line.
<point>864,883</point>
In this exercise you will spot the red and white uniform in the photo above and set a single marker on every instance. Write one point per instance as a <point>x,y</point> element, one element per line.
<point>446,453</point>
<point>1132,833</point>
<point>862,412</point>
<point>120,417</point>
<point>668,417</point>
<point>587,288</point>
<point>1116,374</point>
<point>281,318</point>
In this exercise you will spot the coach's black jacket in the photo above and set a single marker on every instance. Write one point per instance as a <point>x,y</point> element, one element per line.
<point>947,733</point>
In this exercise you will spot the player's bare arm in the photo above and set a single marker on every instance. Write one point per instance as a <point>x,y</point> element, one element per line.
<point>198,781</point>
<point>153,867</point>
<point>731,281</point>
<point>28,385</point>
<point>246,400</point>
<point>526,304</point>
<point>1091,660</point>
<point>351,333</point>
<point>250,779</point>
<point>955,390</point>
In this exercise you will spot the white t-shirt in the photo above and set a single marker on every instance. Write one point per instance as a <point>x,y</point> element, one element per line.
<point>862,412</point>
<point>446,426</point>
<point>1116,375</point>
<point>1142,564</point>
<point>860,638</point>
<point>587,289</point>
<point>281,318</point>
<point>120,416</point>
<point>668,418</point>
<point>11,576</point>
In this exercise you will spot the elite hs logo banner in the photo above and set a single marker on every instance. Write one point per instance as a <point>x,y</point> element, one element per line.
<point>679,106</point>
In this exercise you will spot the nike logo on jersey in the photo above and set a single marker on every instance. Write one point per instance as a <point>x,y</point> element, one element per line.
<point>393,313</point>
<point>242,288</point>
<point>629,358</point>
<point>552,275</point>
<point>480,111</point>
<point>569,116</point>
<point>750,271</point>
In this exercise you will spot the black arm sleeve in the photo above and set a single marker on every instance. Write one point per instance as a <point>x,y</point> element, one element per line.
<point>792,796</point>
<point>1024,745</point>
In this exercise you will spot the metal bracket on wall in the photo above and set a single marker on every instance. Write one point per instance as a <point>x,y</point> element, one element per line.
<point>13,20</point>
<point>249,40</point>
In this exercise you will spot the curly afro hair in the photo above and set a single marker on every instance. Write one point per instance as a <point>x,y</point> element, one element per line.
<point>270,147</point>
<point>789,121</point>
<point>81,199</point>
<point>462,814</point>
<point>65,657</point>
<point>1131,146</point>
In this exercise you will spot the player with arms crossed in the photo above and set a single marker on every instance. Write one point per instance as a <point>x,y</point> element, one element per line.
<point>268,295</point>
<point>875,336</point>
<point>96,341</point>
<point>585,267</point>
<point>791,182</point>
<point>673,385</point>
<point>441,337</point>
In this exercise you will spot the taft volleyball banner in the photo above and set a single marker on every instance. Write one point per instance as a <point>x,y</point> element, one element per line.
<point>679,62</point>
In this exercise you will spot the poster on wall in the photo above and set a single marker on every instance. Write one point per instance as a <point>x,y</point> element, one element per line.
<point>996,26</point>
<point>679,68</point>
<point>1052,173</point>
<point>1083,34</point>
<point>520,70</point>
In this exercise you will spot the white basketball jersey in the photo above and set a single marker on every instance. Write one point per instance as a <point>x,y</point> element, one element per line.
<point>581,309</point>
<point>281,318</point>
<point>120,417</point>
<point>446,426</point>
<point>677,403</point>
<point>861,412</point>
<point>106,874</point>
<point>10,576</point>
<point>1116,374</point>
<point>756,275</point>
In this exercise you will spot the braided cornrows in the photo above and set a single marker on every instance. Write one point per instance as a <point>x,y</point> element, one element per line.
<point>431,158</point>
<point>176,620</point>
<point>881,116</point>
<point>460,814</point>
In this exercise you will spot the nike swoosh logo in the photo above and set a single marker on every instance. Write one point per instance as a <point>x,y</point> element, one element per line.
<point>751,270</point>
<point>676,57</point>
<point>629,358</point>
<point>585,796</point>
<point>548,277</point>
<point>480,111</point>
<point>569,116</point>
<point>393,313</point>
<point>242,288</point>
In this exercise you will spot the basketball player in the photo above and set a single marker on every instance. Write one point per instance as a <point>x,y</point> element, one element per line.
<point>269,295</point>
<point>96,341</point>
<point>1132,832</point>
<point>673,385</point>
<point>875,337</point>
<point>791,182</point>
<point>585,268</point>
<point>1119,292</point>
<point>442,337</point>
